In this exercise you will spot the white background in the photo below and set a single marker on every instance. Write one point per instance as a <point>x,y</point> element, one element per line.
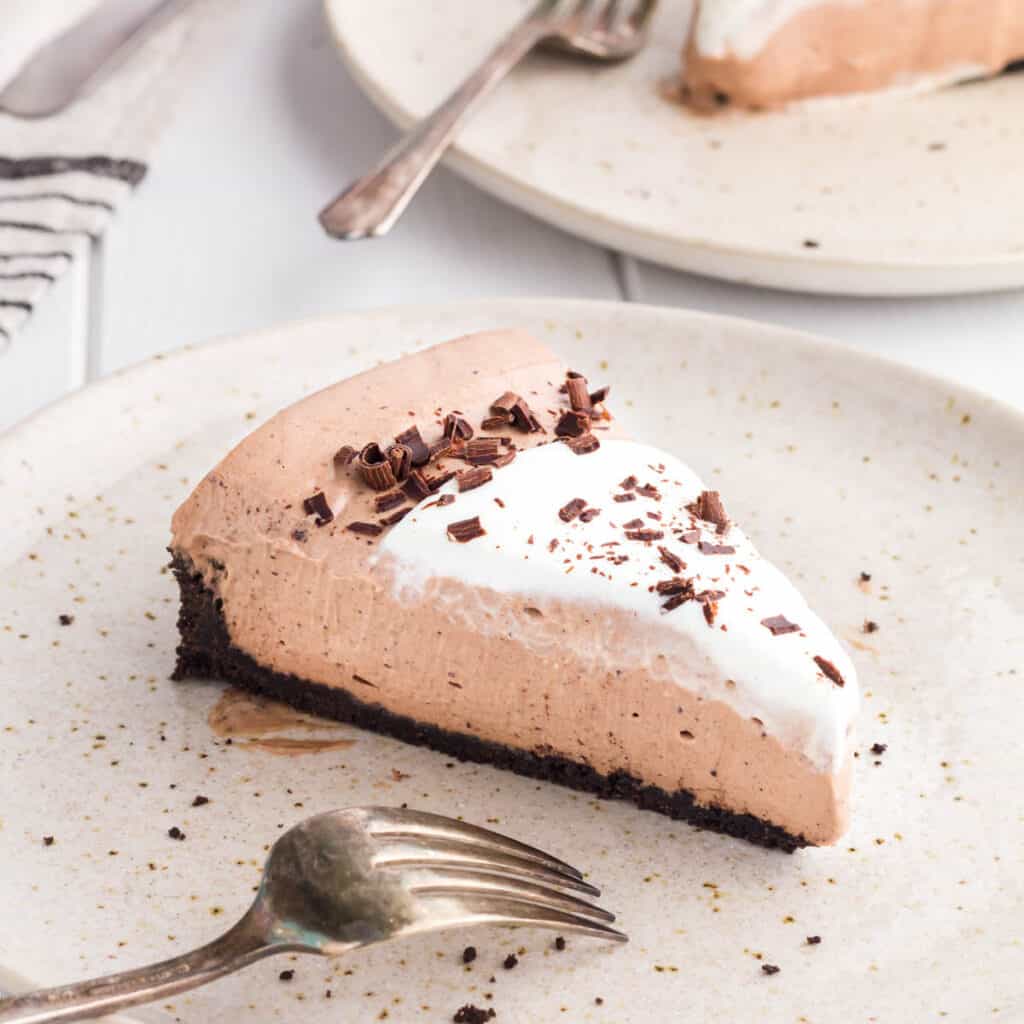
<point>222,237</point>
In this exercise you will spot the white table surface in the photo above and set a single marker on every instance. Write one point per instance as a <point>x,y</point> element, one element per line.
<point>227,220</point>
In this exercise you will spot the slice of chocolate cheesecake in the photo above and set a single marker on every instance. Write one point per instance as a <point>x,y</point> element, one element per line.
<point>463,549</point>
<point>766,53</point>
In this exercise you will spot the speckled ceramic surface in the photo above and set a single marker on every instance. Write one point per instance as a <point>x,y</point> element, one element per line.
<point>885,196</point>
<point>835,462</point>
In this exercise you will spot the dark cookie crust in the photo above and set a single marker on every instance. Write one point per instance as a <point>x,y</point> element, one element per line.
<point>206,651</point>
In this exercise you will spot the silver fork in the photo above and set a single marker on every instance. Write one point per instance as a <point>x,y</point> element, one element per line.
<point>347,879</point>
<point>604,30</point>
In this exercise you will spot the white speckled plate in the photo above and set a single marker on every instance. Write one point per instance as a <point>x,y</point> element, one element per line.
<point>888,196</point>
<point>836,463</point>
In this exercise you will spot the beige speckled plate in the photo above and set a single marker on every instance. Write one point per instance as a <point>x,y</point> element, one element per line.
<point>836,462</point>
<point>888,196</point>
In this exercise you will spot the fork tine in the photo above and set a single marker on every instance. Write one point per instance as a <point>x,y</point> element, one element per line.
<point>421,851</point>
<point>502,911</point>
<point>466,881</point>
<point>420,824</point>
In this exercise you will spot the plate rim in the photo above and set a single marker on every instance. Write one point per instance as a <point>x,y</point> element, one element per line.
<point>750,265</point>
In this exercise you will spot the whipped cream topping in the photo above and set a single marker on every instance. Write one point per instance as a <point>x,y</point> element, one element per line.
<point>530,552</point>
<point>740,28</point>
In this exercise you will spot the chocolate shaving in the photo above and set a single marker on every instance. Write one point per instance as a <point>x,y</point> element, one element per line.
<point>633,524</point>
<point>496,422</point>
<point>572,424</point>
<point>600,395</point>
<point>629,483</point>
<point>588,514</point>
<point>649,491</point>
<point>442,446</point>
<point>457,427</point>
<point>645,535</point>
<point>392,499</point>
<point>414,442</point>
<point>344,456</point>
<point>505,458</point>
<point>678,591</point>
<point>481,451</point>
<point>466,530</point>
<point>584,444</point>
<point>674,562</point>
<point>829,669</point>
<point>707,548</point>
<point>368,529</point>
<point>690,536</point>
<point>395,517</point>
<point>438,481</point>
<point>400,459</point>
<point>709,507</point>
<point>709,599</point>
<point>316,505</point>
<point>578,392</point>
<point>470,479</point>
<point>416,487</point>
<point>780,625</point>
<point>376,469</point>
<point>568,512</point>
<point>515,407</point>
<point>627,496</point>
<point>446,499</point>
<point>676,585</point>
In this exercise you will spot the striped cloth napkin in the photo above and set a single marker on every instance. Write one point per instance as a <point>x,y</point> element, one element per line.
<point>62,178</point>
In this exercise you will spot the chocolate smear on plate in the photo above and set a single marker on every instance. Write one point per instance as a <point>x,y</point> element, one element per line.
<point>829,670</point>
<point>466,530</point>
<point>316,505</point>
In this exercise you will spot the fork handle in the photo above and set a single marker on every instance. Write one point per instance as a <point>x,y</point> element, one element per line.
<point>245,943</point>
<point>372,204</point>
